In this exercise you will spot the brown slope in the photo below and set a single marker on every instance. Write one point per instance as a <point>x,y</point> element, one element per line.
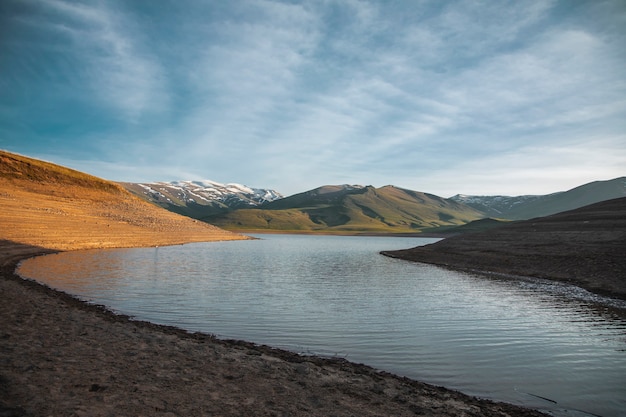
<point>586,247</point>
<point>53,207</point>
<point>351,209</point>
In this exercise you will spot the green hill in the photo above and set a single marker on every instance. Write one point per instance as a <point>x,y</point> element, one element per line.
<point>475,226</point>
<point>350,209</point>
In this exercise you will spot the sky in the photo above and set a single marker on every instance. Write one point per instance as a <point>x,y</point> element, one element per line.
<point>475,97</point>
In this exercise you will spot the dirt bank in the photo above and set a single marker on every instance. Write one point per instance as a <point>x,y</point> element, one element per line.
<point>584,247</point>
<point>61,357</point>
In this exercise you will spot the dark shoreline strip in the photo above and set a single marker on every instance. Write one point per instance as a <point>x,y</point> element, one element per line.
<point>612,303</point>
<point>487,272</point>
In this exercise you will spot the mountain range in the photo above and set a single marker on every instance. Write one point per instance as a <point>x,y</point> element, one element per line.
<point>356,208</point>
<point>529,206</point>
<point>46,207</point>
<point>199,199</point>
<point>351,208</point>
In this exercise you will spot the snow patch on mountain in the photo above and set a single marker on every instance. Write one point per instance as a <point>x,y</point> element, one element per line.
<point>207,192</point>
<point>496,204</point>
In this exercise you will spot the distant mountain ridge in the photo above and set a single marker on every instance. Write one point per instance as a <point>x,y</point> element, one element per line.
<point>199,199</point>
<point>357,208</point>
<point>530,206</point>
<point>498,206</point>
<point>351,208</point>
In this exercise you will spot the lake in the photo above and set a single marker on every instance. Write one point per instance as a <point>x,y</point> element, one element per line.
<point>531,342</point>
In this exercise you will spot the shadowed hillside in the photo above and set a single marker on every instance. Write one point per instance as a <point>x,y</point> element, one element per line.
<point>585,247</point>
<point>350,209</point>
<point>530,206</point>
<point>54,207</point>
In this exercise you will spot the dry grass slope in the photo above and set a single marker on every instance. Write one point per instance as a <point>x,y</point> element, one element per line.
<point>54,207</point>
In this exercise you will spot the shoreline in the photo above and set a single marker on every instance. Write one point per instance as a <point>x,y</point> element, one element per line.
<point>556,266</point>
<point>615,302</point>
<point>339,233</point>
<point>583,247</point>
<point>63,356</point>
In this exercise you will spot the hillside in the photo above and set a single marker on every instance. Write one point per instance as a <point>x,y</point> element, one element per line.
<point>529,206</point>
<point>53,207</point>
<point>338,209</point>
<point>350,209</point>
<point>479,225</point>
<point>198,199</point>
<point>585,247</point>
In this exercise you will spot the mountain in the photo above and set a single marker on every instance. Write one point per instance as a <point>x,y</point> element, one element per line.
<point>530,206</point>
<point>356,208</point>
<point>198,199</point>
<point>351,208</point>
<point>585,246</point>
<point>53,207</point>
<point>471,227</point>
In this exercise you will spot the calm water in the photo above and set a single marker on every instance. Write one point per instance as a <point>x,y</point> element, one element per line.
<point>533,343</point>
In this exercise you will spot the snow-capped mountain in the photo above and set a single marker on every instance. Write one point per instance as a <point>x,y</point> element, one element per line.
<point>202,198</point>
<point>497,205</point>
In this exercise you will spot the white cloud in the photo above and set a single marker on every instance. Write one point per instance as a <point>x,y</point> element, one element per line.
<point>247,72</point>
<point>292,95</point>
<point>533,169</point>
<point>548,82</point>
<point>122,75</point>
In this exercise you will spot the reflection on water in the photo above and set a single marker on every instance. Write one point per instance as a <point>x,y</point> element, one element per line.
<point>533,342</point>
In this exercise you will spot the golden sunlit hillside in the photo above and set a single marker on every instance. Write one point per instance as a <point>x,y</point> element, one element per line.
<point>54,207</point>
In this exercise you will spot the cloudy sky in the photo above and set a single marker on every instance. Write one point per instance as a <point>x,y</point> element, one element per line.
<point>446,97</point>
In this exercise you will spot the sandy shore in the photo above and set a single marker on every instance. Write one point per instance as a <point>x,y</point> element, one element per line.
<point>62,357</point>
